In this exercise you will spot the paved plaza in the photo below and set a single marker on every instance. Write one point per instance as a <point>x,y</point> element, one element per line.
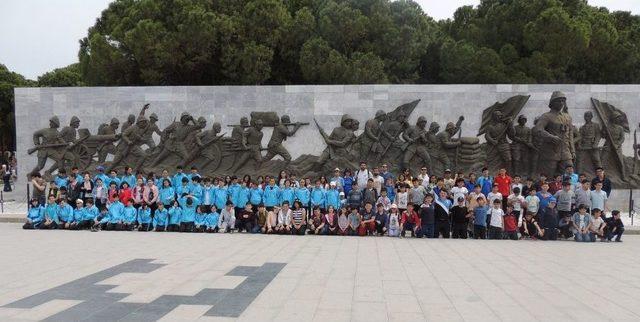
<point>132,276</point>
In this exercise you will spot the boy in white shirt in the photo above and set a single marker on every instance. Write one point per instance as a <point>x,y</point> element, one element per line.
<point>533,202</point>
<point>496,223</point>
<point>460,191</point>
<point>494,195</point>
<point>517,201</point>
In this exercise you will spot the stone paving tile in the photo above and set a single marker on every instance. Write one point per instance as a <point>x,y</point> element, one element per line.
<point>235,277</point>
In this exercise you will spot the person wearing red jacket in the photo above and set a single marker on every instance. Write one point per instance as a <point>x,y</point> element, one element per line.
<point>504,184</point>
<point>125,192</point>
<point>410,220</point>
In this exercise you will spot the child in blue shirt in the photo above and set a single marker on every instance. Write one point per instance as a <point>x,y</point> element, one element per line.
<point>175,217</point>
<point>144,218</point>
<point>65,214</point>
<point>189,205</point>
<point>129,215</point>
<point>211,221</point>
<point>78,216</point>
<point>167,193</point>
<point>480,219</point>
<point>35,215</point>
<point>199,220</point>
<point>160,218</point>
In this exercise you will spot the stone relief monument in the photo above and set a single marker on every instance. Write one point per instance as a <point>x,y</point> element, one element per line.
<point>548,146</point>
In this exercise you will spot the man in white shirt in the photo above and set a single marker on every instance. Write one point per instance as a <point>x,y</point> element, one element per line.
<point>362,175</point>
<point>496,223</point>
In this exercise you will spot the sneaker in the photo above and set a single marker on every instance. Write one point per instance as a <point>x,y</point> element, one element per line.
<point>618,241</point>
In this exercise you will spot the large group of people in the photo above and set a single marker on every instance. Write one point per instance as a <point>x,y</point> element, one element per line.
<point>361,202</point>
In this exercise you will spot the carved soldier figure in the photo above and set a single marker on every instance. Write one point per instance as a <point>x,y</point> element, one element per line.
<point>340,140</point>
<point>496,135</point>
<point>390,131</point>
<point>617,134</point>
<point>370,142</point>
<point>280,134</point>
<point>238,134</point>
<point>131,119</point>
<point>70,133</point>
<point>204,140</point>
<point>130,144</point>
<point>445,141</point>
<point>50,145</point>
<point>151,128</point>
<point>521,146</point>
<point>107,147</point>
<point>590,136</point>
<point>254,143</point>
<point>416,143</point>
<point>176,134</point>
<point>555,128</point>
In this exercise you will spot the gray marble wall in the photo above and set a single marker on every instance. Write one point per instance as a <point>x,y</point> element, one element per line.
<point>226,104</point>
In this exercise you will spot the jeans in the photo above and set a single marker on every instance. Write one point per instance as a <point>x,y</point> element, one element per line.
<point>582,237</point>
<point>618,234</point>
<point>426,230</point>
<point>479,232</point>
<point>495,232</point>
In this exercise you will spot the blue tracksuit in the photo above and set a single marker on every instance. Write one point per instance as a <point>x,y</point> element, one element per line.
<point>196,190</point>
<point>116,212</point>
<point>61,181</point>
<point>333,198</point>
<point>51,212</point>
<point>211,220</point>
<point>176,180</point>
<point>144,216</point>
<point>175,216</point>
<point>318,197</point>
<point>161,218</point>
<point>129,214</point>
<point>130,180</point>
<point>160,181</point>
<point>233,191</point>
<point>243,196</point>
<point>36,215</point>
<point>208,195</point>
<point>199,219</point>
<point>188,211</point>
<point>102,177</point>
<point>78,214</point>
<point>182,189</point>
<point>271,196</point>
<point>65,213</point>
<point>167,195</point>
<point>91,213</point>
<point>109,180</point>
<point>221,197</point>
<point>287,194</point>
<point>256,196</point>
<point>304,195</point>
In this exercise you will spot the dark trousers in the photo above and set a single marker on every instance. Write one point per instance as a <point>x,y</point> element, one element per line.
<point>244,225</point>
<point>427,231</point>
<point>551,234</point>
<point>186,227</point>
<point>408,226</point>
<point>7,182</point>
<point>459,230</point>
<point>160,228</point>
<point>173,227</point>
<point>31,225</point>
<point>83,224</point>
<point>566,232</point>
<point>479,232</point>
<point>443,228</point>
<point>298,231</point>
<point>495,232</point>
<point>380,228</point>
<point>144,227</point>
<point>618,234</point>
<point>513,235</point>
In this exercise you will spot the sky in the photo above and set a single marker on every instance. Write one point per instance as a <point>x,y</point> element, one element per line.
<point>37,36</point>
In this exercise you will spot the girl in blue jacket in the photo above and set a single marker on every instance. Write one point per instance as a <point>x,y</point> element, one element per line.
<point>144,218</point>
<point>35,215</point>
<point>189,204</point>
<point>175,217</point>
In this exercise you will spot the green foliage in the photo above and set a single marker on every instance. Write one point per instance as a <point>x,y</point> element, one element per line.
<point>199,42</point>
<point>62,77</point>
<point>9,80</point>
